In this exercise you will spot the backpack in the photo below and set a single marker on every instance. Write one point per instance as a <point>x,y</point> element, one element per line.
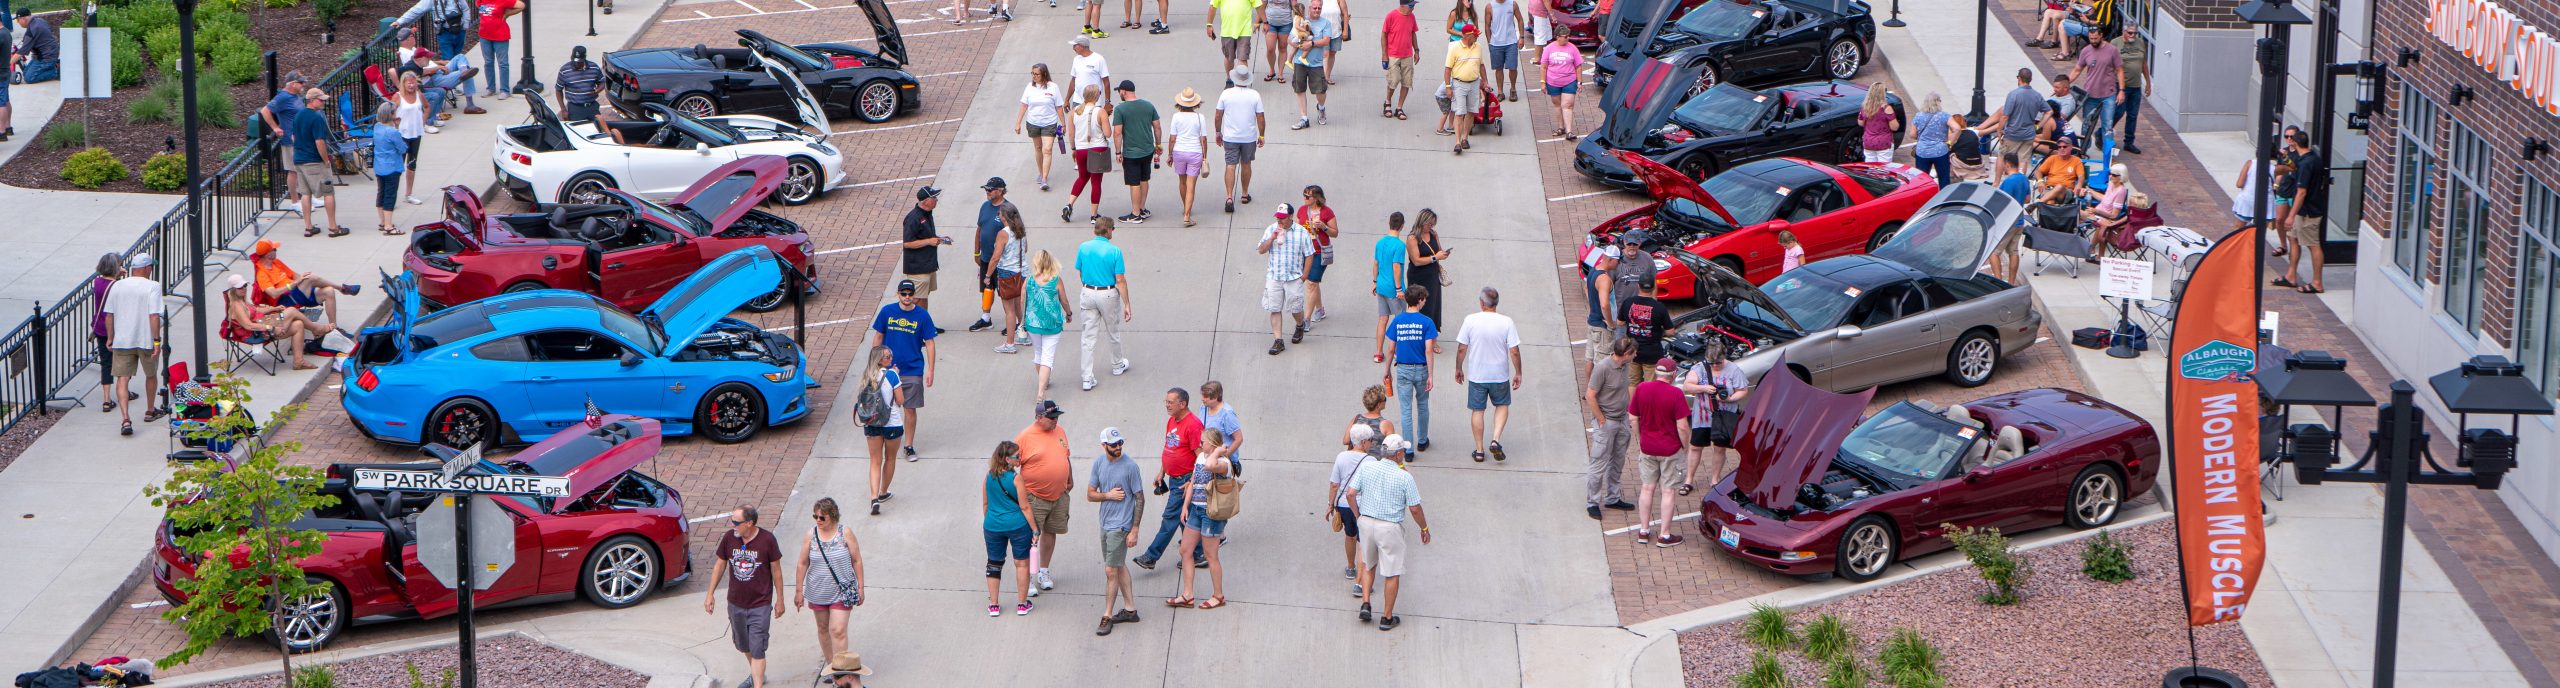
<point>450,15</point>
<point>869,408</point>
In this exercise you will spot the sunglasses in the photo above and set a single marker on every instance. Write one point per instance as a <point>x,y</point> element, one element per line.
<point>733,523</point>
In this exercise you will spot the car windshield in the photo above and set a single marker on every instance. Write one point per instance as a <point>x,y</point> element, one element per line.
<point>708,132</point>
<point>792,56</point>
<point>1908,444</point>
<point>630,328</point>
<point>1720,21</point>
<point>687,218</point>
<point>1815,301</point>
<point>1724,108</point>
<point>1950,239</point>
<point>1752,200</point>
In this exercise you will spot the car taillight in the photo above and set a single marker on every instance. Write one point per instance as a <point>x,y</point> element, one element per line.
<point>631,80</point>
<point>367,381</point>
<point>520,158</point>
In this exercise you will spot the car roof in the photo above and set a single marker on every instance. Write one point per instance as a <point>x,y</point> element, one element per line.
<point>1787,172</point>
<point>538,309</point>
<point>1863,271</point>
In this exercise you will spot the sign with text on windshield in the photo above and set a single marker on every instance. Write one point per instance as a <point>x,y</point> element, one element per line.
<point>435,481</point>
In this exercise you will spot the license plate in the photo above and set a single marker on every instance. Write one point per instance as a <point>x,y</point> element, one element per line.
<point>1728,537</point>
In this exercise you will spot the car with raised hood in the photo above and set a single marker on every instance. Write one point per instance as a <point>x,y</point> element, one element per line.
<point>1734,217</point>
<point>1916,306</point>
<point>627,249</point>
<point>1610,26</point>
<point>871,84</point>
<point>549,160</point>
<point>517,367</point>
<point>1817,490</point>
<point>1746,41</point>
<point>617,537</point>
<point>1703,132</point>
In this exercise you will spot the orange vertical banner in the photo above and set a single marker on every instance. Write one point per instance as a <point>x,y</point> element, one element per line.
<point>2213,421</point>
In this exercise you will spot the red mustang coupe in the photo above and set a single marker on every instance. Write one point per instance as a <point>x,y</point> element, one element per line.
<point>1734,217</point>
<point>627,249</point>
<point>1819,491</point>
<point>620,538</point>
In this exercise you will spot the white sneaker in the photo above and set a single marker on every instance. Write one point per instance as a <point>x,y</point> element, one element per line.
<point>413,200</point>
<point>319,203</point>
<point>1088,385</point>
<point>435,130</point>
<point>1006,348</point>
<point>1121,367</point>
<point>1042,575</point>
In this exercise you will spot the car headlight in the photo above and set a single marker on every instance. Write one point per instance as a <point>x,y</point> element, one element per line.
<point>782,375</point>
<point>1793,557</point>
<point>1661,266</point>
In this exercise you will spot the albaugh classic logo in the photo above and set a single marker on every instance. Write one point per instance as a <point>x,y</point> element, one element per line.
<point>2218,360</point>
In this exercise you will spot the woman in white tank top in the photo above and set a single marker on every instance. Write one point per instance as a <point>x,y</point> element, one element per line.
<point>413,123</point>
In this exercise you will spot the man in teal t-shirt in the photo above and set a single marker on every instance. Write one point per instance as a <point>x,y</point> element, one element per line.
<point>1134,122</point>
<point>1388,276</point>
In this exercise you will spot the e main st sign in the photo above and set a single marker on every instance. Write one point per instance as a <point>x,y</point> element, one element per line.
<point>2521,55</point>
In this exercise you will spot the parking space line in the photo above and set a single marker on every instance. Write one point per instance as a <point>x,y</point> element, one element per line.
<point>895,128</point>
<point>888,181</point>
<point>750,8</point>
<point>863,247</point>
<point>804,3</point>
<point>938,33</point>
<point>1560,199</point>
<point>1630,529</point>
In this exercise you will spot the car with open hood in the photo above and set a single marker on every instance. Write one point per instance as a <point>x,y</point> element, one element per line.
<point>1734,217</point>
<point>1817,490</point>
<point>517,367</point>
<point>617,536</point>
<point>1916,306</point>
<point>627,249</point>
<point>871,84</point>
<point>1703,132</point>
<point>549,160</point>
<point>1747,41</point>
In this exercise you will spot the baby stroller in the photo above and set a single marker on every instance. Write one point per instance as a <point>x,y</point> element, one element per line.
<point>1491,114</point>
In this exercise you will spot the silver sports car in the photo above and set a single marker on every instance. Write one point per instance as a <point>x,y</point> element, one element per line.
<point>1916,306</point>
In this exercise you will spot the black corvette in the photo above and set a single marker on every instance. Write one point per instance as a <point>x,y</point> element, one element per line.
<point>1726,125</point>
<point>1748,41</point>
<point>704,81</point>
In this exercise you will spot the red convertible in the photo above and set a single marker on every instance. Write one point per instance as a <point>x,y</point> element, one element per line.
<point>620,538</point>
<point>1818,491</point>
<point>1734,217</point>
<point>626,249</point>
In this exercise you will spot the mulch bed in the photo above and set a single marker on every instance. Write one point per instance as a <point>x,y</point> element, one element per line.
<point>507,661</point>
<point>2098,634</point>
<point>292,32</point>
<point>24,434</point>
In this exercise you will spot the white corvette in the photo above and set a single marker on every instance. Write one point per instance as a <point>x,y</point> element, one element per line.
<point>551,161</point>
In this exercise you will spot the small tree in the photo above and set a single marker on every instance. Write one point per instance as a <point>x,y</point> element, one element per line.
<point>2105,559</point>
<point>1995,558</point>
<point>235,512</point>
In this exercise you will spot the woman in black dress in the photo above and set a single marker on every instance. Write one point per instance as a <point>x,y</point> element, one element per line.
<point>1425,252</point>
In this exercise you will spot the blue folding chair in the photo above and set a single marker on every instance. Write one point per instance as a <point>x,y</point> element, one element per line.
<point>354,145</point>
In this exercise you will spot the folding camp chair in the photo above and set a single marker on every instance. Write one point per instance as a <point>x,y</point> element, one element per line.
<point>354,144</point>
<point>2052,231</point>
<point>242,345</point>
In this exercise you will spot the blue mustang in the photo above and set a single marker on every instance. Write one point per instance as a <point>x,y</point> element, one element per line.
<point>515,368</point>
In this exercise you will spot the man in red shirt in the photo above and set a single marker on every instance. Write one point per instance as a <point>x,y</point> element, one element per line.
<point>1181,450</point>
<point>1048,475</point>
<point>1395,54</point>
<point>1662,423</point>
<point>494,35</point>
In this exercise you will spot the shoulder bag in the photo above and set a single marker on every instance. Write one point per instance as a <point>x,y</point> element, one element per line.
<point>1226,497</point>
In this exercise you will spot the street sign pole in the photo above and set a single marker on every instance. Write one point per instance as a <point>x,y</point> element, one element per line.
<point>468,580</point>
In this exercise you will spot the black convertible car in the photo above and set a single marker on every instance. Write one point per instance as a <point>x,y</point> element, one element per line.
<point>703,81</point>
<point>1726,125</point>
<point>1746,41</point>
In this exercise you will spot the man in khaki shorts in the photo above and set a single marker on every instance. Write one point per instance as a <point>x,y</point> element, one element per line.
<point>1662,429</point>
<point>1048,476</point>
<point>1383,493</point>
<point>313,163</point>
<point>920,246</point>
<point>134,318</point>
<point>1396,54</point>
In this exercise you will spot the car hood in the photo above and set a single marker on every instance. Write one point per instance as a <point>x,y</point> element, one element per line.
<point>727,193</point>
<point>1956,232</point>
<point>1666,184</point>
<point>594,454</point>
<point>1719,287</point>
<point>1789,432</point>
<point>811,113</point>
<point>884,30</point>
<point>1641,99</point>
<point>712,293</point>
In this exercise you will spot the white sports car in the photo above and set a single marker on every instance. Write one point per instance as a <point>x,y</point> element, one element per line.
<point>551,161</point>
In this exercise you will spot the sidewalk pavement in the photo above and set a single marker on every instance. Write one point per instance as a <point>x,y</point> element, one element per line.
<point>83,525</point>
<point>77,226</point>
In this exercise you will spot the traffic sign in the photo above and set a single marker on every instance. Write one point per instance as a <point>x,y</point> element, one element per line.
<point>433,480</point>
<point>493,541</point>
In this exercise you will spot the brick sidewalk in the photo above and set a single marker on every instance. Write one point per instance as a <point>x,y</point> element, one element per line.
<point>712,476</point>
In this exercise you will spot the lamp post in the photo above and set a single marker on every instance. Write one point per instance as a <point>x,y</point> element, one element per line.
<point>591,17</point>
<point>1895,21</point>
<point>1981,25</point>
<point>2487,385</point>
<point>195,244</point>
<point>528,85</point>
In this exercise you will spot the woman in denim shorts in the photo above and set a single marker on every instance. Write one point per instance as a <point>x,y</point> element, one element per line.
<point>1278,18</point>
<point>1200,531</point>
<point>1005,529</point>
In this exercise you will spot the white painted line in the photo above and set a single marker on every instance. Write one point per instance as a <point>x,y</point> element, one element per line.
<point>1553,140</point>
<point>707,518</point>
<point>935,74</point>
<point>705,15</point>
<point>888,181</point>
<point>895,128</point>
<point>863,247</point>
<point>1561,266</point>
<point>1631,529</point>
<point>1560,199</point>
<point>1578,342</point>
<point>148,605</point>
<point>938,33</point>
<point>751,8</point>
<point>811,9</point>
<point>805,3</point>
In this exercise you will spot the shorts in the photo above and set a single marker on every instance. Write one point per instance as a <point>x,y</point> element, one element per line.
<point>924,284</point>
<point>1239,49</point>
<point>1400,73</point>
<point>1350,521</point>
<point>1115,548</point>
<point>887,432</point>
<point>127,362</point>
<point>575,112</point>
<point>2025,150</point>
<point>913,394</point>
<point>1187,164</point>
<point>1659,472</point>
<point>1481,393</point>
<point>1197,518</point>
<point>1305,79</point>
<point>751,629</point>
<point>314,178</point>
<point>258,338</point>
<point>1504,57</point>
<point>4,92</point>
<point>298,298</point>
<point>1135,171</point>
<point>411,157</point>
<point>1241,153</point>
<point>1465,98</point>
<point>1704,436</point>
<point>1049,516</point>
<point>1040,131</point>
<point>1279,28</point>
<point>2305,229</point>
<point>1315,273</point>
<point>1388,306</point>
<point>386,191</point>
<point>1044,349</point>
<point>844,606</point>
<point>1567,89</point>
<point>1017,540</point>
<point>1284,297</point>
<point>1383,548</point>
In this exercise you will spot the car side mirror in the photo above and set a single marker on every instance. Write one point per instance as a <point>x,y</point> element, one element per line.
<point>1977,474</point>
<point>1847,332</point>
<point>1776,226</point>
<point>702,149</point>
<point>630,358</point>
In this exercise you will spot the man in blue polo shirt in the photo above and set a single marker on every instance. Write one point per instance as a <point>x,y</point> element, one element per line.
<point>1417,340</point>
<point>1105,297</point>
<point>906,328</point>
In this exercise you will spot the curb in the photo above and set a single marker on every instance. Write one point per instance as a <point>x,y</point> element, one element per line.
<point>332,657</point>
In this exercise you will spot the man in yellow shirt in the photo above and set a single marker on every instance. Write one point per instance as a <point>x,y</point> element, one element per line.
<point>285,287</point>
<point>1459,74</point>
<point>1231,22</point>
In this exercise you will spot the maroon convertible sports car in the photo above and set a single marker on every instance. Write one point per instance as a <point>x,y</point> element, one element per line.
<point>1819,491</point>
<point>620,539</point>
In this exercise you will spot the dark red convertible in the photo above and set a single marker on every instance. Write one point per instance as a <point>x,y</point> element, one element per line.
<point>626,249</point>
<point>620,538</point>
<point>1819,491</point>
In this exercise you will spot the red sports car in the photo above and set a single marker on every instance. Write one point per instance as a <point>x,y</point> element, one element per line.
<point>1734,217</point>
<point>622,537</point>
<point>1819,491</point>
<point>627,249</point>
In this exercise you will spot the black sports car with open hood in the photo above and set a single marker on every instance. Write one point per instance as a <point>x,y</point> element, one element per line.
<point>702,81</point>
<point>1702,133</point>
<point>1746,40</point>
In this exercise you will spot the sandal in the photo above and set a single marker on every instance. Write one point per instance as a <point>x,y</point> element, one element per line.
<point>1399,113</point>
<point>155,415</point>
<point>1213,602</point>
<point>1684,489</point>
<point>128,428</point>
<point>1496,446</point>
<point>394,230</point>
<point>1387,110</point>
<point>310,231</point>
<point>2310,290</point>
<point>2287,283</point>
<point>340,231</point>
<point>1178,601</point>
<point>1479,457</point>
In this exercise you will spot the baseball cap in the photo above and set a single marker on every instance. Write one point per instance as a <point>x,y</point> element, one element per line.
<point>1284,211</point>
<point>927,192</point>
<point>1128,86</point>
<point>293,77</point>
<point>1080,41</point>
<point>993,183</point>
<point>906,286</point>
<point>1394,443</point>
<point>236,282</point>
<point>578,53</point>
<point>263,247</point>
<point>1048,409</point>
<point>1666,364</point>
<point>140,260</point>
<point>1634,237</point>
<point>1111,436</point>
<point>1469,30</point>
<point>2119,169</point>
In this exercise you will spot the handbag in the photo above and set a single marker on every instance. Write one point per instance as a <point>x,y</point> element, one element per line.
<point>1226,497</point>
<point>1097,161</point>
<point>1009,286</point>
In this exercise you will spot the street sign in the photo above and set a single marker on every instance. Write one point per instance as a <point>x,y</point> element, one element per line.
<point>433,480</point>
<point>2124,278</point>
<point>493,541</point>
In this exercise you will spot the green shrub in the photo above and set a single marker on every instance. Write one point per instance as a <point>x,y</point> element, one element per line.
<point>165,172</point>
<point>150,109</point>
<point>239,61</point>
<point>314,676</point>
<point>1844,671</point>
<point>332,9</point>
<point>2105,559</point>
<point>1995,558</point>
<point>66,135</point>
<point>139,19</point>
<point>213,103</point>
<point>418,679</point>
<point>1910,661</point>
<point>1765,672</point>
<point>163,44</point>
<point>209,19</point>
<point>93,168</point>
<point>1768,627</point>
<point>282,3</point>
<point>1828,638</point>
<point>125,60</point>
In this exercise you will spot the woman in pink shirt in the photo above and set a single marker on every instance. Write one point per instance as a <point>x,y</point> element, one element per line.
<point>1564,77</point>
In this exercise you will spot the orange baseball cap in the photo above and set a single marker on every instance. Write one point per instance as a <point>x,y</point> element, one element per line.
<point>264,247</point>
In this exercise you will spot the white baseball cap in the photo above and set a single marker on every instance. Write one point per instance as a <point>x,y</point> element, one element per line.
<point>1111,436</point>
<point>139,260</point>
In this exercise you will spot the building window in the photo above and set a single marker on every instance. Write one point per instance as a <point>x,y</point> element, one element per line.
<point>2538,290</point>
<point>2465,227</point>
<point>2414,198</point>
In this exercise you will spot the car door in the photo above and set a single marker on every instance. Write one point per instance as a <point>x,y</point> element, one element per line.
<point>1883,333</point>
<point>432,599</point>
<point>574,365</point>
<point>1818,216</point>
<point>643,262</point>
<point>1757,56</point>
<point>1996,497</point>
<point>659,172</point>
